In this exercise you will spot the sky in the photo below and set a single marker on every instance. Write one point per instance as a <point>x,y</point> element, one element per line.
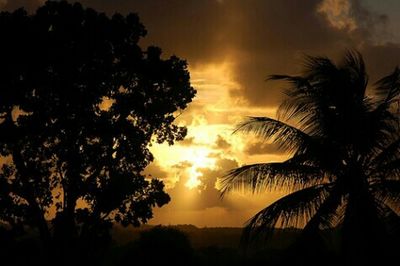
<point>231,47</point>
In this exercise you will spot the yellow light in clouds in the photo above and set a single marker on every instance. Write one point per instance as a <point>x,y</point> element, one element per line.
<point>213,83</point>
<point>193,181</point>
<point>199,158</point>
<point>210,118</point>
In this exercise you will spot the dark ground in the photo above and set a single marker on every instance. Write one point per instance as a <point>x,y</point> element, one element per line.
<point>184,245</point>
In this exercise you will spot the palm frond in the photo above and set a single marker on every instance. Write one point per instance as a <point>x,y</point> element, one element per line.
<point>294,209</point>
<point>287,175</point>
<point>390,215</point>
<point>355,68</point>
<point>295,104</point>
<point>389,170</point>
<point>387,192</point>
<point>298,82</point>
<point>288,137</point>
<point>389,87</point>
<point>330,127</point>
<point>388,154</point>
<point>300,103</point>
<point>329,213</point>
<point>317,67</point>
<point>304,110</point>
<point>380,129</point>
<point>298,108</point>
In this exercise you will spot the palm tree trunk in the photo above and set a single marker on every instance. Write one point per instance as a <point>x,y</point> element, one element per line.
<point>363,233</point>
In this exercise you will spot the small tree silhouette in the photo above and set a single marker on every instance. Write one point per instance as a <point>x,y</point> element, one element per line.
<point>344,169</point>
<point>80,103</point>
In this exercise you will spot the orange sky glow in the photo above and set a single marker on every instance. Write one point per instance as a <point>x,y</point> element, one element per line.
<point>203,155</point>
<point>231,47</point>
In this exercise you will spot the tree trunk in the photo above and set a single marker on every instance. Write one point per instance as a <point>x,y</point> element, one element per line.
<point>363,234</point>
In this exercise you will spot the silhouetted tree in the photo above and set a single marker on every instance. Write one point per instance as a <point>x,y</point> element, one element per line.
<point>160,246</point>
<point>344,165</point>
<point>80,103</point>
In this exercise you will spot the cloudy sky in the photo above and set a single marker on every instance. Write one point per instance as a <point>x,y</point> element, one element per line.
<point>231,47</point>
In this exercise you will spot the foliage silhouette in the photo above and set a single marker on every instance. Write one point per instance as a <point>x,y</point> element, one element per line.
<point>80,103</point>
<point>344,165</point>
<point>160,245</point>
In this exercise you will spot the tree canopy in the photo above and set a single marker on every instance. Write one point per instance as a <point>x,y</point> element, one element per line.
<point>80,103</point>
<point>171,245</point>
<point>344,166</point>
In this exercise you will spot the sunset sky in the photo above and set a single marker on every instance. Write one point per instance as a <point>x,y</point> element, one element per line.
<point>231,47</point>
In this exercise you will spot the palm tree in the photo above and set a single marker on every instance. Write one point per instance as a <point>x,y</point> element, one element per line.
<point>344,164</point>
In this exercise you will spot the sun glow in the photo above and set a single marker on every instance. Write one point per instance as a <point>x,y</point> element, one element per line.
<point>193,181</point>
<point>210,120</point>
<point>198,158</point>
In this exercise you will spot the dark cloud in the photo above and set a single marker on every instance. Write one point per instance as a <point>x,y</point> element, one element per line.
<point>188,28</point>
<point>188,141</point>
<point>372,25</point>
<point>155,170</point>
<point>222,143</point>
<point>29,5</point>
<point>276,37</point>
<point>261,37</point>
<point>225,164</point>
<point>206,195</point>
<point>182,165</point>
<point>262,148</point>
<point>278,34</point>
<point>209,195</point>
<point>381,59</point>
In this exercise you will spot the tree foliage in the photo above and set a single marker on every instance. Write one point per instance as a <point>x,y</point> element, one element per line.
<point>80,103</point>
<point>344,166</point>
<point>170,244</point>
